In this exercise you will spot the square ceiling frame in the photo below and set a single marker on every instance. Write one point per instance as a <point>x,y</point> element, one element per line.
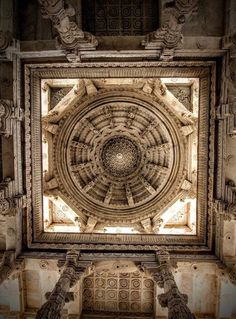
<point>38,239</point>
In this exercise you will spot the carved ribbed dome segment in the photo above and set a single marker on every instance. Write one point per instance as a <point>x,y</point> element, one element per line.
<point>119,154</point>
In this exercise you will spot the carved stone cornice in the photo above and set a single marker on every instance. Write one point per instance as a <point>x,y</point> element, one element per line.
<point>70,37</point>
<point>169,36</point>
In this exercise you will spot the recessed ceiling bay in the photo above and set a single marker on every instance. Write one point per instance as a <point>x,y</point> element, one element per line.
<point>120,155</point>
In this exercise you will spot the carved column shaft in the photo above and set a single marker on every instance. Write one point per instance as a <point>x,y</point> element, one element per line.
<point>172,298</point>
<point>52,309</point>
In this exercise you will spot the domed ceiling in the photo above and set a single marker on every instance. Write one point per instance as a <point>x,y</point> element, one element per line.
<point>120,155</point>
<point>117,155</point>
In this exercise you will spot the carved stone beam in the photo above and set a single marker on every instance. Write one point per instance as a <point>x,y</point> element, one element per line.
<point>108,113</point>
<point>70,37</point>
<point>108,195</point>
<point>131,116</point>
<point>9,265</point>
<point>172,298</point>
<point>147,185</point>
<point>72,272</point>
<point>129,195</point>
<point>169,36</point>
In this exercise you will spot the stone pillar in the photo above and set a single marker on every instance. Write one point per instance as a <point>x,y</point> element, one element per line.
<point>172,298</point>
<point>52,309</point>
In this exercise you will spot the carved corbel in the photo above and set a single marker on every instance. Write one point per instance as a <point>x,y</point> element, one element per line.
<point>8,45</point>
<point>9,265</point>
<point>70,38</point>
<point>50,127</point>
<point>147,225</point>
<point>169,36</point>
<point>51,184</point>
<point>9,206</point>
<point>91,223</point>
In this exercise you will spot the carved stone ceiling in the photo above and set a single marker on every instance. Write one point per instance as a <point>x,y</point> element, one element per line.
<point>118,158</point>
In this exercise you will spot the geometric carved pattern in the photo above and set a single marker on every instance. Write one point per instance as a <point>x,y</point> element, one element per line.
<point>119,17</point>
<point>119,292</point>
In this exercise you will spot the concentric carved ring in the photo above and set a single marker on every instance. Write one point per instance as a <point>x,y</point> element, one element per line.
<point>119,155</point>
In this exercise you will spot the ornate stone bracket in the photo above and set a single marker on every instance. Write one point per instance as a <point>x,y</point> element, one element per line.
<point>6,115</point>
<point>9,205</point>
<point>72,272</point>
<point>70,38</point>
<point>9,265</point>
<point>169,36</point>
<point>8,45</point>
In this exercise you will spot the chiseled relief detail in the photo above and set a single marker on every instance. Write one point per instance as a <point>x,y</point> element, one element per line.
<point>118,292</point>
<point>118,157</point>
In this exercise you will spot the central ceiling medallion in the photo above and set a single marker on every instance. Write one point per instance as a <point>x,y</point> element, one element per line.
<point>119,156</point>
